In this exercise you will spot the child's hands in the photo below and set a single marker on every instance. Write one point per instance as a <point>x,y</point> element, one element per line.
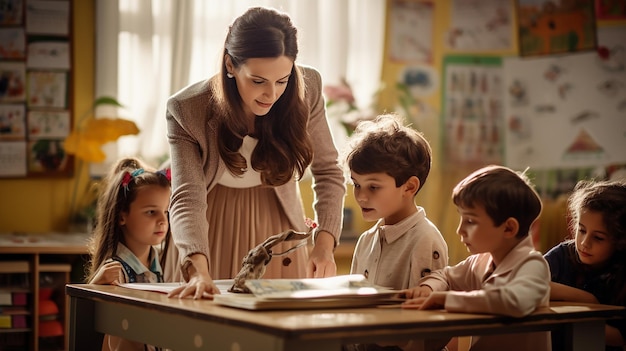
<point>109,273</point>
<point>418,291</point>
<point>434,301</point>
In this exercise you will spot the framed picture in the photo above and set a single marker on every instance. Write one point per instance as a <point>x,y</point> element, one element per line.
<point>36,88</point>
<point>12,122</point>
<point>12,81</point>
<point>611,9</point>
<point>548,27</point>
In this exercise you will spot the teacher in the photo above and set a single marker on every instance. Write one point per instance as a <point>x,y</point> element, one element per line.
<point>239,143</point>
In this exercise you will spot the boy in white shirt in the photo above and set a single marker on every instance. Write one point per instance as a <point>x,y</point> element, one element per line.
<point>504,275</point>
<point>389,164</point>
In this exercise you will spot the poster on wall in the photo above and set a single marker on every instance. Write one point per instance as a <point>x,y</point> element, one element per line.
<point>480,25</point>
<point>411,31</point>
<point>36,88</point>
<point>611,9</point>
<point>567,111</point>
<point>472,123</point>
<point>555,26</point>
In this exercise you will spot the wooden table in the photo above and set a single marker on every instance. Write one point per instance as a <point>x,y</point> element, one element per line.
<point>185,324</point>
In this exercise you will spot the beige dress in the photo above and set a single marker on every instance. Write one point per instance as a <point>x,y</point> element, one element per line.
<point>238,206</point>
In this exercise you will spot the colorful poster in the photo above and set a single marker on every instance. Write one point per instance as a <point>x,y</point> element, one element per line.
<point>12,122</point>
<point>555,26</point>
<point>411,31</point>
<point>47,89</point>
<point>48,124</point>
<point>567,111</point>
<point>480,25</point>
<point>12,82</point>
<point>472,110</point>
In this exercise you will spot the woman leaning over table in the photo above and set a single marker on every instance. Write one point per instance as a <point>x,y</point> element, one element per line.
<point>239,143</point>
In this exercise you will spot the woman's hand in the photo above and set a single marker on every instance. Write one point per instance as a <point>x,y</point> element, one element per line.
<point>435,300</point>
<point>199,286</point>
<point>109,273</point>
<point>322,259</point>
<point>200,283</point>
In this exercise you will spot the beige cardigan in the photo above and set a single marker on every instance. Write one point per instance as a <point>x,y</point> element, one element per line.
<point>196,167</point>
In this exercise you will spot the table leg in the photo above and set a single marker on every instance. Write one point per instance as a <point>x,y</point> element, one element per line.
<point>82,335</point>
<point>584,336</point>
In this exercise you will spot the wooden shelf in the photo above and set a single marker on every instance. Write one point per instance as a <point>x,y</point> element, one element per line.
<point>14,267</point>
<point>51,268</point>
<point>39,257</point>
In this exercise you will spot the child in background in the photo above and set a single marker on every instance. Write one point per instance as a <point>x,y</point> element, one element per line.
<point>592,267</point>
<point>132,217</point>
<point>388,164</point>
<point>504,275</point>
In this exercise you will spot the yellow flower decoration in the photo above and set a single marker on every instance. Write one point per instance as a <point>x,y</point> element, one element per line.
<point>85,141</point>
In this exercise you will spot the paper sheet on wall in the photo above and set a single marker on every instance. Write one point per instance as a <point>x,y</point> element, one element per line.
<point>411,31</point>
<point>480,25</point>
<point>567,111</point>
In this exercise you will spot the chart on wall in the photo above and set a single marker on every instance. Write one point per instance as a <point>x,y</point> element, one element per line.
<point>35,88</point>
<point>472,123</point>
<point>568,111</point>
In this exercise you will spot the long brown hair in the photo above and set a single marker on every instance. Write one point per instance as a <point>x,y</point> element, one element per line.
<point>284,148</point>
<point>609,199</point>
<point>115,199</point>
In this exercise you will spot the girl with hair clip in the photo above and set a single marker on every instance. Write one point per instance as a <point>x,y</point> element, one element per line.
<point>132,218</point>
<point>240,141</point>
<point>592,267</point>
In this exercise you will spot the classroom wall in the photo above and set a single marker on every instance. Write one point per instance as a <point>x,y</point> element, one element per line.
<point>435,196</point>
<point>42,205</point>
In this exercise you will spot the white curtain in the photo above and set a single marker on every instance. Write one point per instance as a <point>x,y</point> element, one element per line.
<point>146,50</point>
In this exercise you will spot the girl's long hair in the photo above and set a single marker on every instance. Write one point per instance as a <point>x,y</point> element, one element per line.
<point>284,148</point>
<point>119,190</point>
<point>609,199</point>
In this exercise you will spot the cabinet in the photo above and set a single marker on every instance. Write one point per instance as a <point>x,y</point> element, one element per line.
<point>34,269</point>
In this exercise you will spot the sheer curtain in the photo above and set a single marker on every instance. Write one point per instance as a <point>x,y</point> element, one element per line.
<point>149,49</point>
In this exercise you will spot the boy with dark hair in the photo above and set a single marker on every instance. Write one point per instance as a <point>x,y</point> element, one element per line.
<point>504,275</point>
<point>388,164</point>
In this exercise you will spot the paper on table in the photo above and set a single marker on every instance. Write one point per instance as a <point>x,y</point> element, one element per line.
<point>166,288</point>
<point>345,291</point>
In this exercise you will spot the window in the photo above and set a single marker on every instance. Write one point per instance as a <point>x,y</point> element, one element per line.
<point>149,49</point>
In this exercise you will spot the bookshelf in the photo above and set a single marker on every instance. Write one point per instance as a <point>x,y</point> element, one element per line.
<point>34,269</point>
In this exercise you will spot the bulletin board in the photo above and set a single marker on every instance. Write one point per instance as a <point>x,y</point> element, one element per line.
<point>472,98</point>
<point>35,88</point>
<point>568,111</point>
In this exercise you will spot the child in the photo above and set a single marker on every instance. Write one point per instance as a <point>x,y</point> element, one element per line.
<point>504,275</point>
<point>389,164</point>
<point>592,267</point>
<point>132,217</point>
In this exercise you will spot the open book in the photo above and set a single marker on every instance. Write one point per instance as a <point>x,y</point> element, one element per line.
<point>334,292</point>
<point>344,291</point>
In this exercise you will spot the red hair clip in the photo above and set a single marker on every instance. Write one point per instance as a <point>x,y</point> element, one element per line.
<point>129,176</point>
<point>167,172</point>
<point>126,179</point>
